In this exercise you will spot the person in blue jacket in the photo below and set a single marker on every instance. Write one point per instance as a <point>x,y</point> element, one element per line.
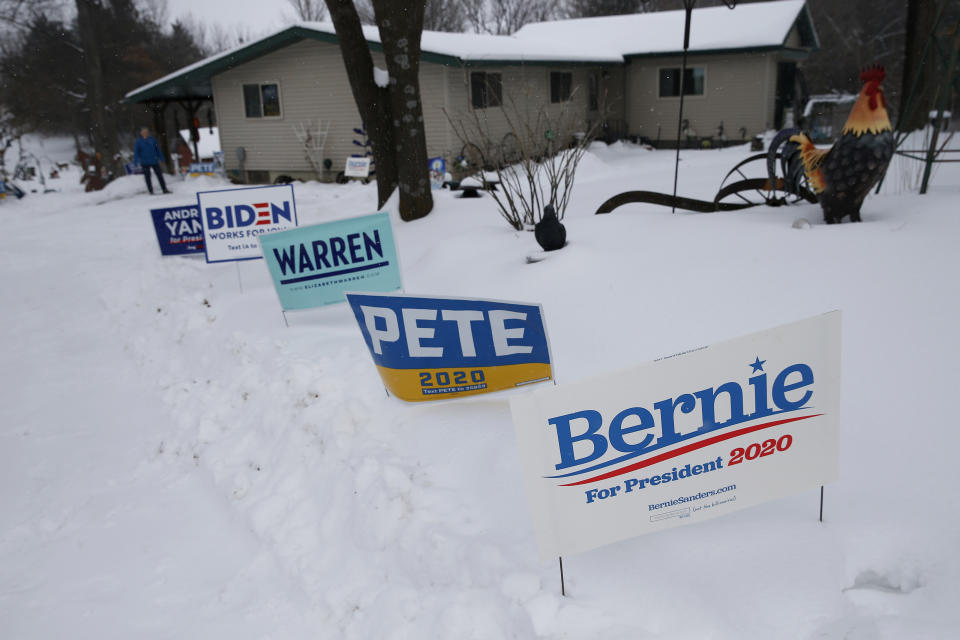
<point>147,154</point>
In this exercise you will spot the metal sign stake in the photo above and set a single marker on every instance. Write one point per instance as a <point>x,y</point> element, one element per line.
<point>563,587</point>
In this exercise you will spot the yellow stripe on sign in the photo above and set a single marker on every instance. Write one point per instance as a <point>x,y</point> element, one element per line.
<point>418,385</point>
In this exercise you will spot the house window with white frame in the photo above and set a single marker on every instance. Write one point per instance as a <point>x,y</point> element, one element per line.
<point>693,82</point>
<point>262,100</point>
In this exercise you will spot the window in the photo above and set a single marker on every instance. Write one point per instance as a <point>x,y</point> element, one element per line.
<point>486,89</point>
<point>693,82</point>
<point>561,86</point>
<point>593,91</point>
<point>261,100</point>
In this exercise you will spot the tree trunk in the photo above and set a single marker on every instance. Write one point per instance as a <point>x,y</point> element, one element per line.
<point>103,132</point>
<point>159,110</point>
<point>921,17</point>
<point>398,147</point>
<point>400,29</point>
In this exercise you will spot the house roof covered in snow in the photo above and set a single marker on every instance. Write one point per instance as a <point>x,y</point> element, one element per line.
<point>755,26</point>
<point>606,40</point>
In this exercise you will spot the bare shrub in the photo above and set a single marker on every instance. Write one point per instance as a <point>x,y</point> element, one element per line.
<point>313,138</point>
<point>534,162</point>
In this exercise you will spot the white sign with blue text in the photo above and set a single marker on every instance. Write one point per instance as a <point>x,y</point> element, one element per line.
<point>233,219</point>
<point>682,439</point>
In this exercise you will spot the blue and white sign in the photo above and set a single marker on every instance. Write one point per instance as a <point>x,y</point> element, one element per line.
<point>438,172</point>
<point>233,219</point>
<point>208,168</point>
<point>312,266</point>
<point>682,439</point>
<point>438,348</point>
<point>357,167</point>
<point>179,230</point>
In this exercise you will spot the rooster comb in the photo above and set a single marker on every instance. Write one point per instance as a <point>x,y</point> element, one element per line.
<point>876,73</point>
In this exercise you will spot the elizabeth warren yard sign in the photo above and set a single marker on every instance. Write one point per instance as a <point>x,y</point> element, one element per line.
<point>312,266</point>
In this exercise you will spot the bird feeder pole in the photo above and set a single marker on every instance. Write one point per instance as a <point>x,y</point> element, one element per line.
<point>688,8</point>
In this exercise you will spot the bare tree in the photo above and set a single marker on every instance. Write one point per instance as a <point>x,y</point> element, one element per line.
<point>445,15</point>
<point>503,17</point>
<point>855,34</point>
<point>157,11</point>
<point>365,11</point>
<point>18,14</point>
<point>438,15</point>
<point>214,38</point>
<point>102,132</point>
<point>313,139</point>
<point>594,8</point>
<point>918,66</point>
<point>392,113</point>
<point>309,10</point>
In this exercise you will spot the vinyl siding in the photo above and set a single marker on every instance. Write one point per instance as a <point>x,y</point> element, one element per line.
<point>794,41</point>
<point>739,91</point>
<point>313,84</point>
<point>525,90</point>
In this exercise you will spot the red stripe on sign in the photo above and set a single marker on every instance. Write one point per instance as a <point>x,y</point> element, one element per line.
<point>687,449</point>
<point>264,221</point>
<point>262,205</point>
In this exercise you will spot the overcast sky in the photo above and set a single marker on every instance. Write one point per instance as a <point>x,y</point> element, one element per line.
<point>256,16</point>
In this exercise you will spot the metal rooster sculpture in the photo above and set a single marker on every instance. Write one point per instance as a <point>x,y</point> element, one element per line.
<point>842,175</point>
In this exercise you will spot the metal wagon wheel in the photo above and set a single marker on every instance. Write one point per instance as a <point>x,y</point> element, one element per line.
<point>510,150</point>
<point>739,191</point>
<point>471,158</point>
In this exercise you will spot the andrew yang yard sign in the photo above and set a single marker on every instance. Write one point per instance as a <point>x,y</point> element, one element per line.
<point>682,439</point>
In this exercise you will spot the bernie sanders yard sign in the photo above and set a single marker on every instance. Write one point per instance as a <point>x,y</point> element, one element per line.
<point>438,348</point>
<point>682,439</point>
<point>234,218</point>
<point>312,266</point>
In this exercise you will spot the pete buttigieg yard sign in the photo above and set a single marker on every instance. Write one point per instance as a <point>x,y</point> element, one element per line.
<point>682,439</point>
<point>438,348</point>
<point>234,218</point>
<point>312,266</point>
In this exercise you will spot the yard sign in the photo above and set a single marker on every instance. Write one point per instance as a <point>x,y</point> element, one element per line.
<point>357,167</point>
<point>179,230</point>
<point>312,266</point>
<point>234,218</point>
<point>437,348</point>
<point>682,439</point>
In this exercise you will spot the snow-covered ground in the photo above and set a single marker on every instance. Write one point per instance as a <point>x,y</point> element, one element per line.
<point>176,463</point>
